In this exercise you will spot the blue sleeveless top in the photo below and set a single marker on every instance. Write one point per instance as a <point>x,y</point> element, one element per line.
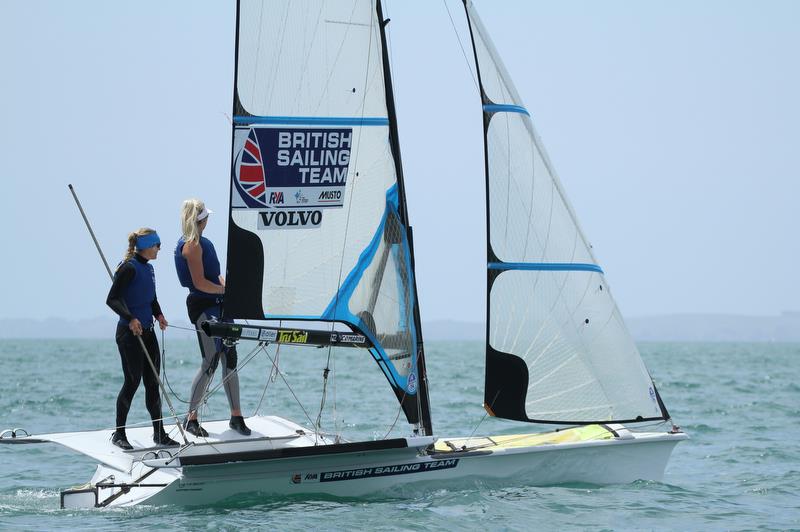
<point>211,268</point>
<point>140,293</point>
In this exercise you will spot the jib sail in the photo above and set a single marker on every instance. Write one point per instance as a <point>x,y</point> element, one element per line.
<point>557,349</point>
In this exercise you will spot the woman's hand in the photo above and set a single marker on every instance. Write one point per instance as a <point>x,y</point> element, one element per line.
<point>136,327</point>
<point>162,322</point>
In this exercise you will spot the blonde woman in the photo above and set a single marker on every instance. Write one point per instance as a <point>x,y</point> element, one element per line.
<point>133,298</point>
<point>198,270</point>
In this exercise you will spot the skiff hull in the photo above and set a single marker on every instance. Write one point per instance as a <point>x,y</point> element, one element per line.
<point>226,468</point>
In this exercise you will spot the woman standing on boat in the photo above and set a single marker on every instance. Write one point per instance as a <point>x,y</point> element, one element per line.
<point>133,298</point>
<point>199,271</point>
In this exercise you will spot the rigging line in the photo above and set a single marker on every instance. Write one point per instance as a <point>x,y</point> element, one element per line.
<point>491,406</point>
<point>279,55</point>
<point>471,434</point>
<point>297,400</point>
<point>164,367</point>
<point>389,40</point>
<point>355,165</point>
<point>336,429</point>
<point>391,427</point>
<point>193,329</point>
<point>308,56</point>
<point>258,50</point>
<point>460,45</point>
<point>338,53</point>
<point>270,377</point>
<point>325,373</point>
<point>233,372</point>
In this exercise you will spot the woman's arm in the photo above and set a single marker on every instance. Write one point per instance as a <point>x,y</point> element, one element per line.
<point>193,254</point>
<point>156,308</point>
<point>122,278</point>
<point>115,300</point>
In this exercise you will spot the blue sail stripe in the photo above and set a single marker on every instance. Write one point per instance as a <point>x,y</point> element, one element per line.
<point>505,108</point>
<point>546,266</point>
<point>313,120</point>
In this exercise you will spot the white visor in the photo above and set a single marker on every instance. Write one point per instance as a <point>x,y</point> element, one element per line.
<point>204,214</point>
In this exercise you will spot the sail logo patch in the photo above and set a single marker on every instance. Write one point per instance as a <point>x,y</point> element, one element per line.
<point>412,382</point>
<point>290,168</point>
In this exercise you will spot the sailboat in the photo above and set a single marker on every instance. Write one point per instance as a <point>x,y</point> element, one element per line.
<point>319,238</point>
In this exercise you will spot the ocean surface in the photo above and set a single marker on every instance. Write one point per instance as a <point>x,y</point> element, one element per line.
<point>740,404</point>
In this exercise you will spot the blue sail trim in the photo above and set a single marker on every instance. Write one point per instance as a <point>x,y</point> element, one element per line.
<point>505,108</point>
<point>546,266</point>
<point>290,317</point>
<point>339,310</point>
<point>312,120</point>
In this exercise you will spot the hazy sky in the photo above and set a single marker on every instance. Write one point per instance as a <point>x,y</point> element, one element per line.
<point>673,127</point>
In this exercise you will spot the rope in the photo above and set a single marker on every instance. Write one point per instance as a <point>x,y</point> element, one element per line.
<point>164,367</point>
<point>458,38</point>
<point>310,421</point>
<point>270,378</point>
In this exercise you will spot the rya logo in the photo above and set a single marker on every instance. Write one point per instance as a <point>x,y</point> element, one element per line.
<point>276,197</point>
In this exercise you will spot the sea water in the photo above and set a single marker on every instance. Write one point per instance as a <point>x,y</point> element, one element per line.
<point>740,404</point>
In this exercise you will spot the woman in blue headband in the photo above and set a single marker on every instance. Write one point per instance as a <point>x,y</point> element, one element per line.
<point>133,297</point>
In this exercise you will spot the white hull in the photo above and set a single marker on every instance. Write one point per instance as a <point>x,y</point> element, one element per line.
<point>610,463</point>
<point>278,465</point>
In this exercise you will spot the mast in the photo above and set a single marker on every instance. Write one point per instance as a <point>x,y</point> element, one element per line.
<point>394,142</point>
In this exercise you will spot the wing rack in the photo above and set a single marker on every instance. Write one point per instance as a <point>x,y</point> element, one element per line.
<point>279,335</point>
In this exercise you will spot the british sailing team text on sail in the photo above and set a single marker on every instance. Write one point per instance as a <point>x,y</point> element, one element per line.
<point>306,150</point>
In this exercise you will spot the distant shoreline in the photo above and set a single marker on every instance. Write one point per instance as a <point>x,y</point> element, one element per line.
<point>676,327</point>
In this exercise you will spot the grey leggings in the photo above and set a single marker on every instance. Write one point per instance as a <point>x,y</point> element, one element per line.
<point>213,353</point>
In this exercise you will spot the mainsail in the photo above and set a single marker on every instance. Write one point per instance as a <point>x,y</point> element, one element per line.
<point>557,348</point>
<point>318,225</point>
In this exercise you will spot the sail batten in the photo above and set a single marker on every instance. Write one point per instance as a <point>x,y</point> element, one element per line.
<point>313,120</point>
<point>557,349</point>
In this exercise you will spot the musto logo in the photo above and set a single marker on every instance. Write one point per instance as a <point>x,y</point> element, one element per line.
<point>290,175</point>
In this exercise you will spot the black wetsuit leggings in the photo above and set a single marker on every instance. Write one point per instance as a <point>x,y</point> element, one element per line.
<point>135,367</point>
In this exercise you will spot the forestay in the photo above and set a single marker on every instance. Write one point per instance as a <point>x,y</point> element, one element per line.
<point>557,348</point>
<point>317,218</point>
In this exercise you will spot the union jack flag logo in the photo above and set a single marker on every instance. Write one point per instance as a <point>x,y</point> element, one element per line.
<point>251,170</point>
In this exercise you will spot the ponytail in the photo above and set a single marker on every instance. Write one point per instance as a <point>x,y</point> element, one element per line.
<point>189,226</point>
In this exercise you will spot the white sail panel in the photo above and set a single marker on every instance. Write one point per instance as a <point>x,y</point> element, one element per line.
<point>529,219</point>
<point>580,359</point>
<point>310,58</point>
<point>557,348</point>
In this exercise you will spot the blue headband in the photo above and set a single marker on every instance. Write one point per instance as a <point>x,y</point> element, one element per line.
<point>147,241</point>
